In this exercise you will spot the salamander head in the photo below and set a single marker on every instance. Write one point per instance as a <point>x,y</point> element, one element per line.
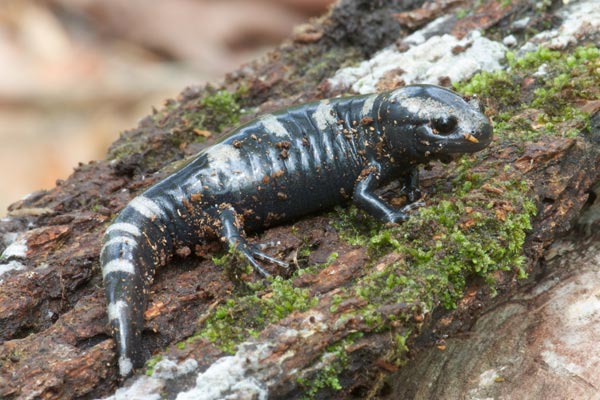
<point>429,122</point>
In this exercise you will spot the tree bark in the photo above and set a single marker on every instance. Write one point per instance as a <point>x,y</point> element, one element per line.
<point>340,343</point>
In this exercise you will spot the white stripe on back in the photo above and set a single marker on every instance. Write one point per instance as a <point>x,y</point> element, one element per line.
<point>118,266</point>
<point>124,227</point>
<point>148,208</point>
<point>272,125</point>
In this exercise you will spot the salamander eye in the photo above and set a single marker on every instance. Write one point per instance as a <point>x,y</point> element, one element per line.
<point>445,125</point>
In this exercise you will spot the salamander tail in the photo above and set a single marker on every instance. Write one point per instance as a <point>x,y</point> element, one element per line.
<point>133,246</point>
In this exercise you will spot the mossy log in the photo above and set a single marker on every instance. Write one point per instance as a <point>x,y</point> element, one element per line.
<point>364,298</point>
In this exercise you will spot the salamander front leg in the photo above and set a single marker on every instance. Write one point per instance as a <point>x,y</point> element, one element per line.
<point>231,233</point>
<point>411,185</point>
<point>365,198</point>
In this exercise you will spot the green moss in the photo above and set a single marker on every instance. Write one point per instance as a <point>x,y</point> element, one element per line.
<point>335,303</point>
<point>333,361</point>
<point>96,206</point>
<point>224,259</point>
<point>214,112</point>
<point>462,13</point>
<point>244,316</point>
<point>220,110</point>
<point>462,234</point>
<point>447,243</point>
<point>354,226</point>
<point>499,85</point>
<point>401,342</point>
<point>557,81</point>
<point>151,363</point>
<point>304,251</point>
<point>331,258</point>
<point>456,238</point>
<point>532,60</point>
<point>316,268</point>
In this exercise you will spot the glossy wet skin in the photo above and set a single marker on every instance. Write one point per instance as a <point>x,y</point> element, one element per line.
<point>308,158</point>
<point>435,123</point>
<point>274,169</point>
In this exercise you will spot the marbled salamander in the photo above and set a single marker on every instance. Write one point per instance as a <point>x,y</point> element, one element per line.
<point>276,168</point>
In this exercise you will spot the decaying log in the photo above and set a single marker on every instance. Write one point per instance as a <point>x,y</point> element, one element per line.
<point>347,339</point>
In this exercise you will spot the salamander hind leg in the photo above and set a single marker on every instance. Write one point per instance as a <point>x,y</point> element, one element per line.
<point>232,234</point>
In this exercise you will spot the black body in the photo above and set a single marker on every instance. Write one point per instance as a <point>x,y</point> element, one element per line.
<point>275,169</point>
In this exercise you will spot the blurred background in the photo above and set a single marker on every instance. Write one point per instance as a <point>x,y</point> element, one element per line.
<point>75,73</point>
